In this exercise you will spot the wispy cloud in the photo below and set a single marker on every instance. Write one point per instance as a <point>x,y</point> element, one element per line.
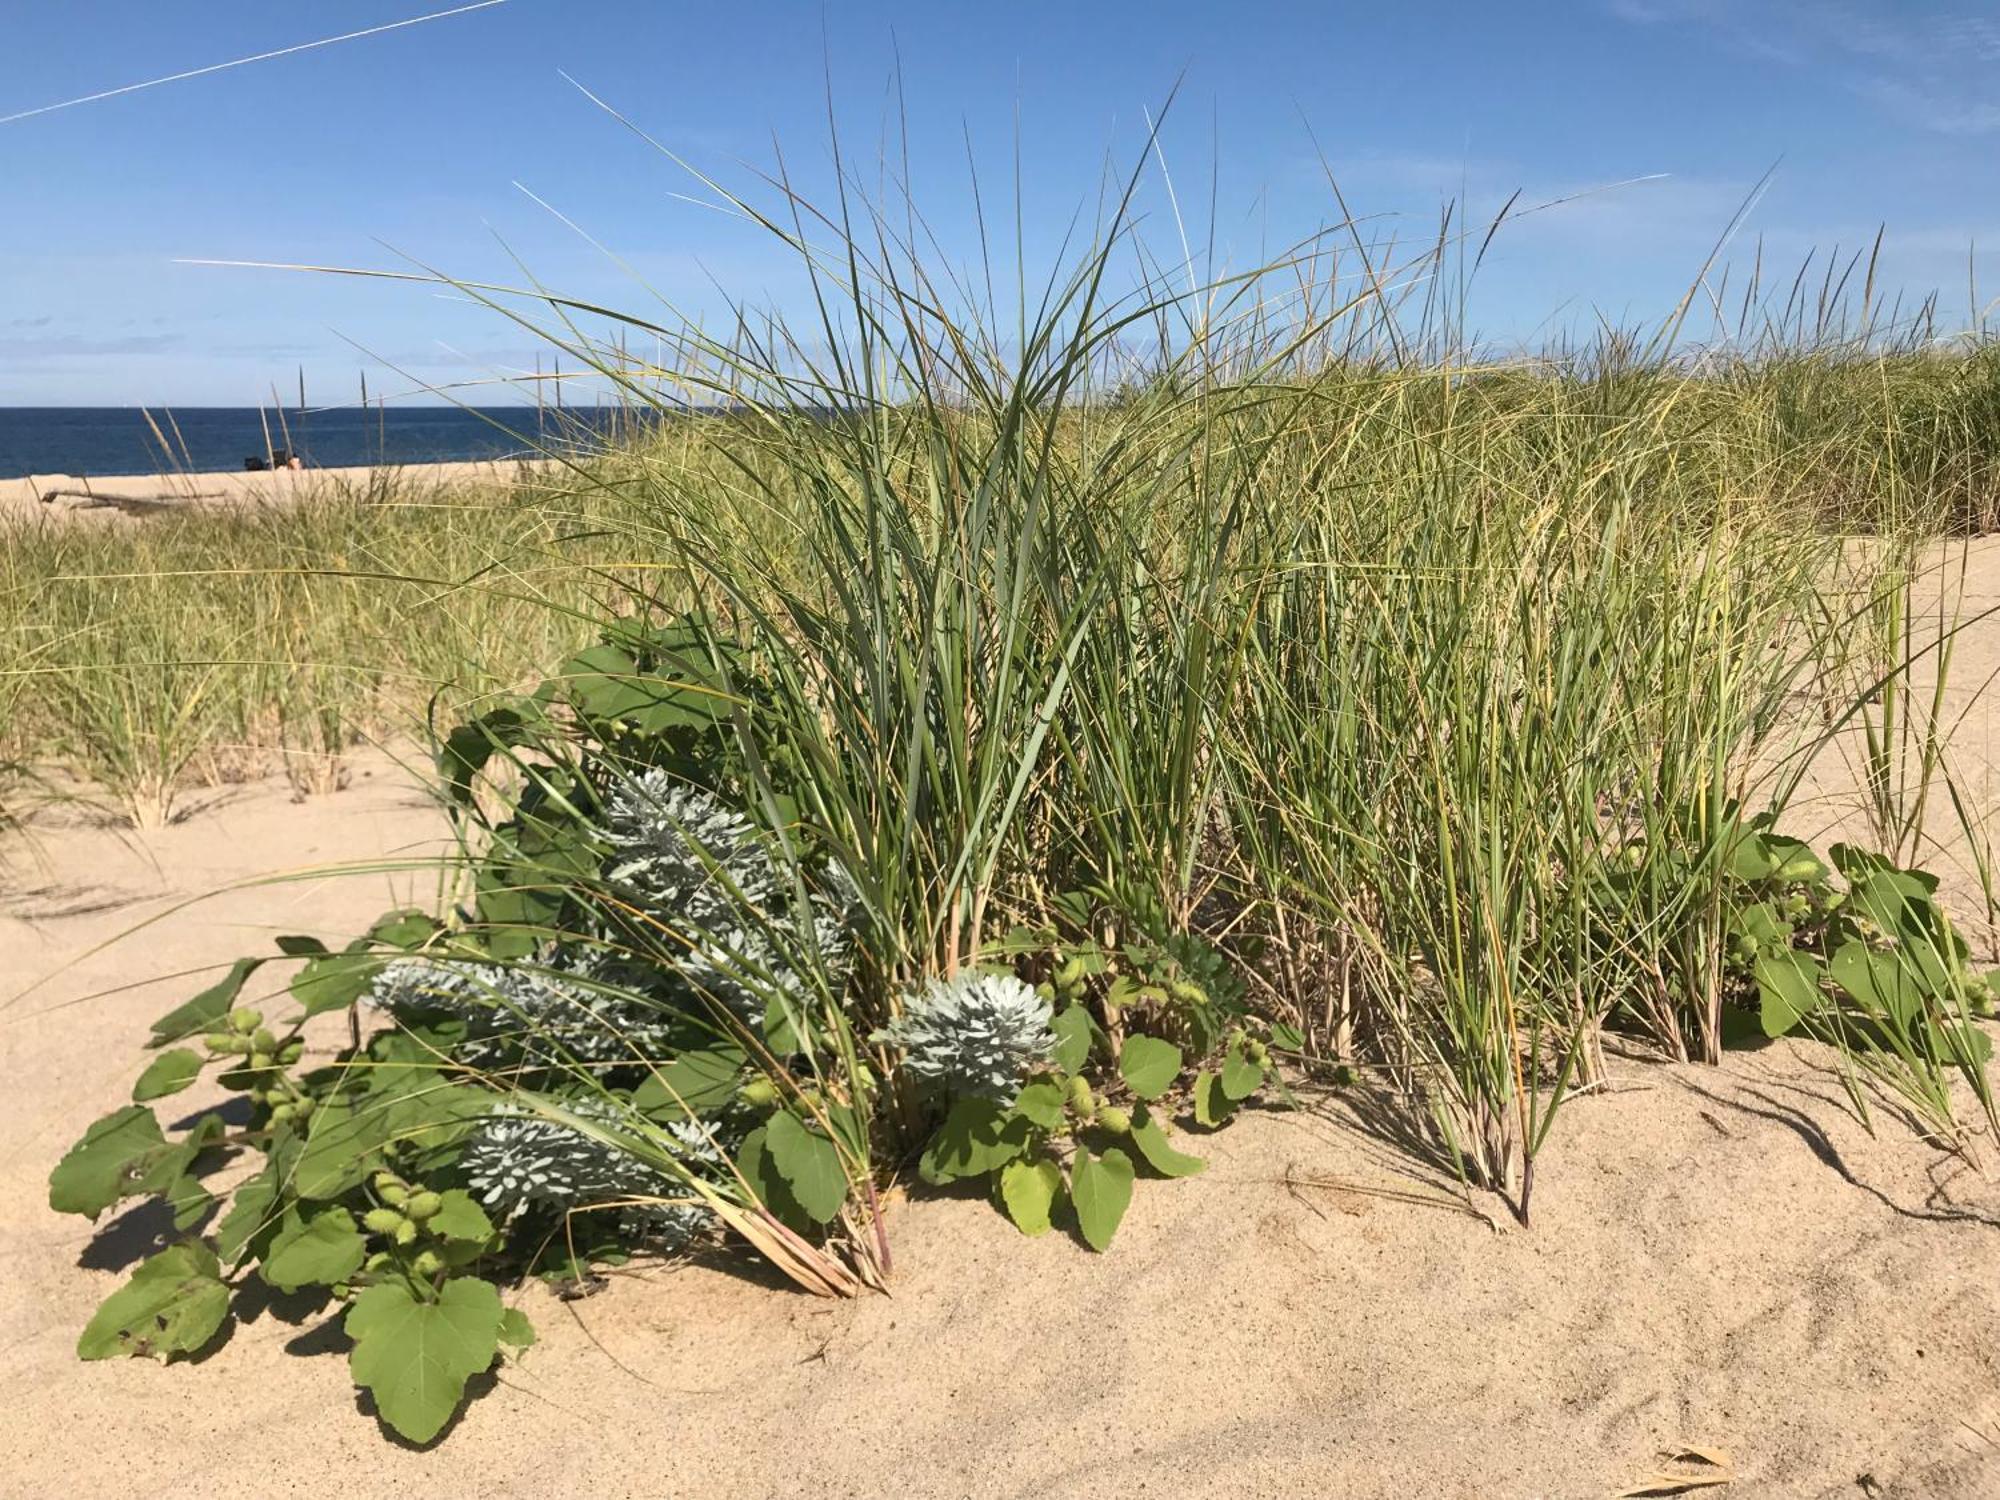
<point>1926,67</point>
<point>1649,208</point>
<point>59,345</point>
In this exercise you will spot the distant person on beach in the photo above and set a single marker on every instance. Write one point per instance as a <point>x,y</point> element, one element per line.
<point>284,458</point>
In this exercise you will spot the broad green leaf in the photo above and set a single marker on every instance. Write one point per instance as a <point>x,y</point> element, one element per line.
<point>753,1161</point>
<point>977,1137</point>
<point>252,1211</point>
<point>469,746</point>
<point>204,1010</point>
<point>316,1252</point>
<point>1741,1028</point>
<point>1287,1037</point>
<point>407,1104</point>
<point>1242,1075</point>
<point>516,1332</point>
<point>1072,1029</point>
<point>1859,864</point>
<point>1898,901</point>
<point>108,1163</point>
<point>1880,983</point>
<point>1151,1139</point>
<point>434,1115</point>
<point>415,1357</point>
<point>1760,923</point>
<point>190,1202</point>
<point>1787,989</point>
<point>169,1175</point>
<point>686,695</point>
<point>1855,862</point>
<point>810,1163</point>
<point>173,1304</point>
<point>1212,1107</point>
<point>1041,1103</point>
<point>1969,1046</point>
<point>1101,1188</point>
<point>604,682</point>
<point>334,981</point>
<point>781,1033</point>
<point>168,1073</point>
<point>1148,1065</point>
<point>461,1218</point>
<point>343,1144</point>
<point>1753,859</point>
<point>1797,864</point>
<point>1030,1189</point>
<point>407,929</point>
<point>696,1082</point>
<point>1931,965</point>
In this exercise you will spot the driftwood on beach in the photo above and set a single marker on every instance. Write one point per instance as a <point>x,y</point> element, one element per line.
<point>130,504</point>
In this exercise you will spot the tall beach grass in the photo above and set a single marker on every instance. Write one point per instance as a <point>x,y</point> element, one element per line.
<point>1427,685</point>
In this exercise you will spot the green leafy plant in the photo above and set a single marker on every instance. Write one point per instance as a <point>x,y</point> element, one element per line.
<point>338,1211</point>
<point>1132,1037</point>
<point>618,1039</point>
<point>1869,961</point>
<point>1361,683</point>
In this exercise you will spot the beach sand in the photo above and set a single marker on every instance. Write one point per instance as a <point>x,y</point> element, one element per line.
<point>150,494</point>
<point>1721,1259</point>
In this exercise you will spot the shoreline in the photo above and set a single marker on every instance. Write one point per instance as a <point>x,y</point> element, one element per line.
<point>158,493</point>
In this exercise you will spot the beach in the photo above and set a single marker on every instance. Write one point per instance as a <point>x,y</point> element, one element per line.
<point>155,494</point>
<point>966,761</point>
<point>1722,1260</point>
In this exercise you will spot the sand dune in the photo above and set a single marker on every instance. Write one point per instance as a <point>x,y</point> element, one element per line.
<point>1722,1260</point>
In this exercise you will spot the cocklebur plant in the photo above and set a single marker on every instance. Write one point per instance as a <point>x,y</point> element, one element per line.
<point>1851,949</point>
<point>629,1032</point>
<point>404,1184</point>
<point>351,1204</point>
<point>1872,965</point>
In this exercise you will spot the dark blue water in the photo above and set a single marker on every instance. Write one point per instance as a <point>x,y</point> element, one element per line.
<point>103,440</point>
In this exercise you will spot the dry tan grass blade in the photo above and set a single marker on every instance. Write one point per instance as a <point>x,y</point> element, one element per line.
<point>1715,1471</point>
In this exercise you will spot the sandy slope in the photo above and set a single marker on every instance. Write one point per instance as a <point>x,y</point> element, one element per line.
<point>1721,1259</point>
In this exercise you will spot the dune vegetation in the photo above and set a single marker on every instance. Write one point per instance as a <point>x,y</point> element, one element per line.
<point>998,750</point>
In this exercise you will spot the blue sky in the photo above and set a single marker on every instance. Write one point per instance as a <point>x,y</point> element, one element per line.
<point>1873,112</point>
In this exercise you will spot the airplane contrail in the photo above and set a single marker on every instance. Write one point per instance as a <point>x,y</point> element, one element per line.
<point>153,83</point>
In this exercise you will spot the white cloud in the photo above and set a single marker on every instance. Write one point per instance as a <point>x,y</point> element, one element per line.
<point>37,347</point>
<point>1932,71</point>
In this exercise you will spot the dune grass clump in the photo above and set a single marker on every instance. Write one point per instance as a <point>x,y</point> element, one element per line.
<point>992,751</point>
<point>153,659</point>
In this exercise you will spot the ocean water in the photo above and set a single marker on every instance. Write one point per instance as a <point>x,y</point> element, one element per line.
<point>105,440</point>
